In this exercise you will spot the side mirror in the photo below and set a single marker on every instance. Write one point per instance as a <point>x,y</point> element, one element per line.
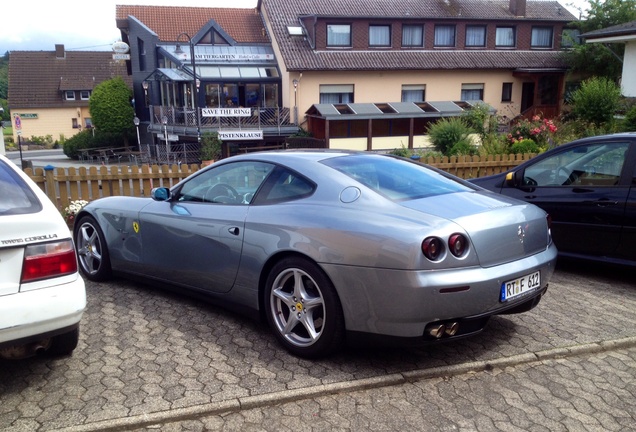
<point>160,194</point>
<point>514,178</point>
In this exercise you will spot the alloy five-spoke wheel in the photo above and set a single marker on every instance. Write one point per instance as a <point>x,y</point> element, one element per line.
<point>303,308</point>
<point>92,252</point>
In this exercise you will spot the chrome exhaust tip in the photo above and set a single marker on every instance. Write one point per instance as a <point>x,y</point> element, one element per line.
<point>436,330</point>
<point>451,329</point>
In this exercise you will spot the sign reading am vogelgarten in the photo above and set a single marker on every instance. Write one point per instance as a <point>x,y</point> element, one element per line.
<point>226,112</point>
<point>237,135</point>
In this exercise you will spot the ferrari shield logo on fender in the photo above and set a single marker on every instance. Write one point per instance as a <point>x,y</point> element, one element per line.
<point>136,227</point>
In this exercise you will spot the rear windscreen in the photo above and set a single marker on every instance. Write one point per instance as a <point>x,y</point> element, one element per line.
<point>16,197</point>
<point>395,178</point>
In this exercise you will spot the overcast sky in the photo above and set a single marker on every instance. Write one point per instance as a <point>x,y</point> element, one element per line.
<point>90,25</point>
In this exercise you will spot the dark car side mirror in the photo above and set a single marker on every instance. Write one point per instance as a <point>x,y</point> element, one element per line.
<point>514,178</point>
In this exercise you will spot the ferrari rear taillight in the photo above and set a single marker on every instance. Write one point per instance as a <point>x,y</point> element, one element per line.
<point>48,260</point>
<point>457,244</point>
<point>432,247</point>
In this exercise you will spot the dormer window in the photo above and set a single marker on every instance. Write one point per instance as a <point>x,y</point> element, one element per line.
<point>445,36</point>
<point>475,36</point>
<point>85,95</point>
<point>69,95</point>
<point>339,35</point>
<point>380,36</point>
<point>541,37</point>
<point>213,37</point>
<point>505,37</point>
<point>412,36</point>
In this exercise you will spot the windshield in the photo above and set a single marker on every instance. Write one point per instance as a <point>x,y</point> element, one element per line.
<point>396,179</point>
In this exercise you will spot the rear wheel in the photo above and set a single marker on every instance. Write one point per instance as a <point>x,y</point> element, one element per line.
<point>303,309</point>
<point>92,252</point>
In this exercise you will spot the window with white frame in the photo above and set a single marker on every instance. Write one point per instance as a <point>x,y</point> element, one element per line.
<point>475,36</point>
<point>505,37</point>
<point>444,35</point>
<point>413,93</point>
<point>338,35</point>
<point>85,95</point>
<point>412,36</point>
<point>69,95</point>
<point>472,92</point>
<point>336,93</point>
<point>75,123</point>
<point>541,37</point>
<point>88,122</point>
<point>379,36</point>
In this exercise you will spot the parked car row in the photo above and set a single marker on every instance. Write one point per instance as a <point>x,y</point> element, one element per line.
<point>328,247</point>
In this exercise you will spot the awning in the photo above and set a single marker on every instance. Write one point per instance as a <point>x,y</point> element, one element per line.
<point>167,74</point>
<point>392,110</point>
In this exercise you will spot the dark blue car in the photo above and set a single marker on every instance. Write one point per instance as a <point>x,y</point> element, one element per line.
<point>588,187</point>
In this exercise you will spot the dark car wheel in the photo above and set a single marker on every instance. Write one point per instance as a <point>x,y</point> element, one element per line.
<point>303,309</point>
<point>92,251</point>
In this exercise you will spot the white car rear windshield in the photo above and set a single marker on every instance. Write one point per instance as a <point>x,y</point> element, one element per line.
<point>16,197</point>
<point>396,178</point>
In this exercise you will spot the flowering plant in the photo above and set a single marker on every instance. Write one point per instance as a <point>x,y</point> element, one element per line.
<point>538,130</point>
<point>71,211</point>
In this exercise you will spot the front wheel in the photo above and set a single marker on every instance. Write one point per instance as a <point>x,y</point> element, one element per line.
<point>303,309</point>
<point>92,251</point>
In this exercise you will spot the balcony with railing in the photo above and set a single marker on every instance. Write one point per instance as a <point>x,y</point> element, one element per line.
<point>184,121</point>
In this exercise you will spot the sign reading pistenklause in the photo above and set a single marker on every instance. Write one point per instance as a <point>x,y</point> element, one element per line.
<point>237,135</point>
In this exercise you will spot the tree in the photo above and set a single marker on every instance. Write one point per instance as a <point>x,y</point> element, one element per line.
<point>111,110</point>
<point>598,59</point>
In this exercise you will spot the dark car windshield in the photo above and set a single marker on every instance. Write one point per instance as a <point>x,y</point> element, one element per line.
<point>395,178</point>
<point>15,195</point>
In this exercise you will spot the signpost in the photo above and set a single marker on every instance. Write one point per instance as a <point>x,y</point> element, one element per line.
<point>18,127</point>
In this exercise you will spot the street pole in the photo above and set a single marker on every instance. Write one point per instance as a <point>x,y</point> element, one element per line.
<point>195,80</point>
<point>136,121</point>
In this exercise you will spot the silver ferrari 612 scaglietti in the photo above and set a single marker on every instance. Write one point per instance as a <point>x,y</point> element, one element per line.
<point>330,246</point>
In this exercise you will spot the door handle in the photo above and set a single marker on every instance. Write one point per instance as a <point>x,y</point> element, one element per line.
<point>234,230</point>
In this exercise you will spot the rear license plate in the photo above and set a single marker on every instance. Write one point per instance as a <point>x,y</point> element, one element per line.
<point>520,286</point>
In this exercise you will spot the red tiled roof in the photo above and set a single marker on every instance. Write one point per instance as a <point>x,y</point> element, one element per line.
<point>297,54</point>
<point>37,78</point>
<point>243,25</point>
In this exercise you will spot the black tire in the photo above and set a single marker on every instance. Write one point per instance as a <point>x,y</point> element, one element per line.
<point>303,308</point>
<point>65,343</point>
<point>92,251</point>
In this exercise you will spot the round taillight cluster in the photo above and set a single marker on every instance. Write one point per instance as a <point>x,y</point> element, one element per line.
<point>433,247</point>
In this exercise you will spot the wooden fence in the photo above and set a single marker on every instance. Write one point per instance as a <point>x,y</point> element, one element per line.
<point>63,185</point>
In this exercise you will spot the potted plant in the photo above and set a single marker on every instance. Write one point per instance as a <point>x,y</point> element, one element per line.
<point>210,147</point>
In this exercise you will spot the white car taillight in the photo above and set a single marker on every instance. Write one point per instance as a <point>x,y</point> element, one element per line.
<point>48,260</point>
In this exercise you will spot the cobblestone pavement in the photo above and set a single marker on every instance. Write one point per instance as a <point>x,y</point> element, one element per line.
<point>153,360</point>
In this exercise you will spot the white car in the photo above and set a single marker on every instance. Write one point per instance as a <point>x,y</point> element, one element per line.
<point>42,296</point>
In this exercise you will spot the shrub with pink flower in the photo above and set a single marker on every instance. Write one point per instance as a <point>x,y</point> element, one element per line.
<point>540,130</point>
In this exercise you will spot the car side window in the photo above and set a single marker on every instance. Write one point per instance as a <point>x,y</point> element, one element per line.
<point>232,183</point>
<point>286,185</point>
<point>595,165</point>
